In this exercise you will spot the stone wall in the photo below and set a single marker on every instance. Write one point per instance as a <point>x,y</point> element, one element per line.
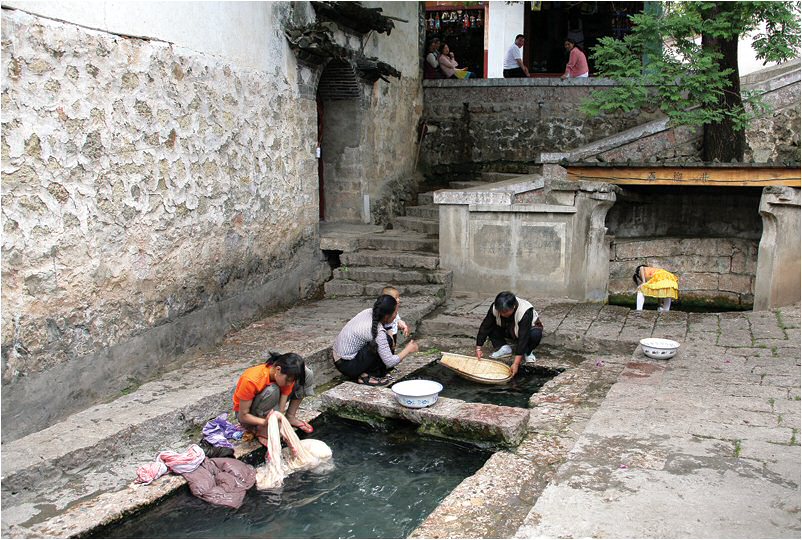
<point>511,120</point>
<point>773,136</point>
<point>708,237</point>
<point>711,271</point>
<point>155,196</point>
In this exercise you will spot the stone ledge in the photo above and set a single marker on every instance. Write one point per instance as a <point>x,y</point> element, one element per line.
<point>532,208</point>
<point>493,83</point>
<point>452,418</point>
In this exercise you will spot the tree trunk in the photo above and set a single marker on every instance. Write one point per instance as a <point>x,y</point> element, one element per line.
<point>721,141</point>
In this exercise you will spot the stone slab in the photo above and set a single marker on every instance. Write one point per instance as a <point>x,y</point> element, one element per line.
<point>477,422</point>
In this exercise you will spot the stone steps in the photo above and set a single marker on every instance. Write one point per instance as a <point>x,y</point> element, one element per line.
<point>447,326</point>
<point>399,259</point>
<point>346,287</point>
<point>393,276</point>
<point>424,225</point>
<point>400,240</point>
<point>426,211</point>
<point>466,184</point>
<point>426,198</point>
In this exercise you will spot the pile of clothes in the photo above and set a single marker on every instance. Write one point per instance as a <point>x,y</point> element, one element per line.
<point>215,476</point>
<point>222,481</point>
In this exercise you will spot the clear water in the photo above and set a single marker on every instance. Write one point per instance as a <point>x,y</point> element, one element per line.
<point>383,485</point>
<point>515,393</point>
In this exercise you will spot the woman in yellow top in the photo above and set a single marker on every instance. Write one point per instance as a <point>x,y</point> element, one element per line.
<point>657,283</point>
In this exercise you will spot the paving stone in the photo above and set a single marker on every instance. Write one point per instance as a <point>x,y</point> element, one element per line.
<point>675,331</point>
<point>579,318</point>
<point>608,324</point>
<point>554,314</point>
<point>702,322</point>
<point>639,325</point>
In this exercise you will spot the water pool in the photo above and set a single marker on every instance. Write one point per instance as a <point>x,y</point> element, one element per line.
<point>516,393</point>
<point>383,485</point>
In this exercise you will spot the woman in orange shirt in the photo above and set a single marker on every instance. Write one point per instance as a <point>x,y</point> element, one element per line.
<point>269,386</point>
<point>657,283</point>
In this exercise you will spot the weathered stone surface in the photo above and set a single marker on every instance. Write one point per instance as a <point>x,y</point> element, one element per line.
<point>448,417</point>
<point>155,195</point>
<point>504,124</point>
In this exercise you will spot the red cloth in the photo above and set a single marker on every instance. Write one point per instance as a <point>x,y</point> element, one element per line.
<point>176,462</point>
<point>221,481</point>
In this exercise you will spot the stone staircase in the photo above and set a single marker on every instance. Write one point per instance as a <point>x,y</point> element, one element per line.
<point>405,256</point>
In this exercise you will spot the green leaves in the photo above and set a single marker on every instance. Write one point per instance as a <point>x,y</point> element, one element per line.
<point>662,62</point>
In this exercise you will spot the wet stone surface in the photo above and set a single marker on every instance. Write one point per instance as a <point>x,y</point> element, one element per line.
<point>615,433</point>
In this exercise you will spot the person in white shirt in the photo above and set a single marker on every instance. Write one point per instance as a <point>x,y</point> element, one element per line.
<point>514,61</point>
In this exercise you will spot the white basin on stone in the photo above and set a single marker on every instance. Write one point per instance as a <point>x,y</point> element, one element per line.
<point>417,393</point>
<point>659,348</point>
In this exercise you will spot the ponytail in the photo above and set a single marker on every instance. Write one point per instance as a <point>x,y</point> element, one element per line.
<point>291,364</point>
<point>636,277</point>
<point>382,307</point>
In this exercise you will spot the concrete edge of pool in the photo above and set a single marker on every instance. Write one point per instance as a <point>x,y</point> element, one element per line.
<point>107,508</point>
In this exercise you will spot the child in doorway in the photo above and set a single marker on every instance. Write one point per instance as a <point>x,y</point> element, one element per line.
<point>392,328</point>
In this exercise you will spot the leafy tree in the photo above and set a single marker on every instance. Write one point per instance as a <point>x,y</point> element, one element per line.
<point>664,63</point>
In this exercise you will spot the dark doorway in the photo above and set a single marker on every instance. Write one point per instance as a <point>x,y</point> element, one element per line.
<point>461,26</point>
<point>548,24</point>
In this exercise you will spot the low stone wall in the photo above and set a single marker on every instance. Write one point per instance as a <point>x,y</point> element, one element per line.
<point>714,271</point>
<point>537,235</point>
<point>482,121</point>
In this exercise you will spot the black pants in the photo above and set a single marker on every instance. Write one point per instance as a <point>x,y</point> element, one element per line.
<point>498,339</point>
<point>367,360</point>
<point>514,73</point>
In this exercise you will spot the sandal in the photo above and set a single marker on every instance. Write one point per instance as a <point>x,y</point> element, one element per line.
<point>306,427</point>
<point>373,381</point>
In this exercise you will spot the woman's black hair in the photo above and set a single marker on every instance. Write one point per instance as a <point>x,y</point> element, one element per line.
<point>291,364</point>
<point>636,277</point>
<point>505,300</point>
<point>382,307</point>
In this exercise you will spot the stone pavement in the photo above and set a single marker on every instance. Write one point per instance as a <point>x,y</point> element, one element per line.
<point>618,445</point>
<point>703,445</point>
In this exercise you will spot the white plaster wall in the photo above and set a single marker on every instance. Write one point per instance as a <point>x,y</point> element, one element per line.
<point>157,191</point>
<point>245,33</point>
<point>506,21</point>
<point>394,48</point>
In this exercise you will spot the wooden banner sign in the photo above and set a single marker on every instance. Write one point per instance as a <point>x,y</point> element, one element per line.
<point>688,176</point>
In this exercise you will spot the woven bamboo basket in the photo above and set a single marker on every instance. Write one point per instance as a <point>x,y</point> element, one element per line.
<point>481,371</point>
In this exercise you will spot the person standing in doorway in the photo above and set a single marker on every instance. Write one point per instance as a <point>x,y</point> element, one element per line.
<point>577,65</point>
<point>514,61</point>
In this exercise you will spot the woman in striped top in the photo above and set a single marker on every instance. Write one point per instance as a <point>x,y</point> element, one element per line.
<point>363,349</point>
